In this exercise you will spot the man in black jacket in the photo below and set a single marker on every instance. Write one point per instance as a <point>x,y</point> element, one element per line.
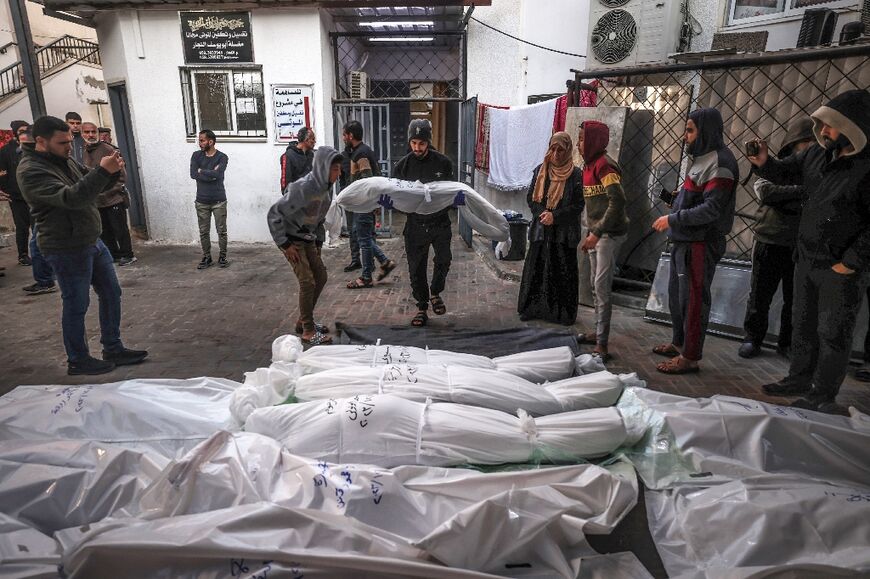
<point>426,165</point>
<point>833,247</point>
<point>62,196</point>
<point>776,228</point>
<point>10,154</point>
<point>297,159</point>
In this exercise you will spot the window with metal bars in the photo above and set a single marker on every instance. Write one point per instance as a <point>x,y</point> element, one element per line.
<point>228,101</point>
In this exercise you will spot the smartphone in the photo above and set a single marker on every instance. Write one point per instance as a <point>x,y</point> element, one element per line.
<point>752,148</point>
<point>666,196</point>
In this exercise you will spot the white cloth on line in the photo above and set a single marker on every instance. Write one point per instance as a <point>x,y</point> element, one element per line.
<point>518,141</point>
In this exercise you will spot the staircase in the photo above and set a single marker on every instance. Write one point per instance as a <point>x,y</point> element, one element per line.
<point>52,58</point>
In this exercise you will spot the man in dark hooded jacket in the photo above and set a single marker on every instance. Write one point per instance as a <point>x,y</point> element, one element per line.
<point>296,223</point>
<point>776,228</point>
<point>833,247</point>
<point>701,216</point>
<point>297,160</point>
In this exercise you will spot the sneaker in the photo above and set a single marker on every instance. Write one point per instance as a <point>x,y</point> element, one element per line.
<point>206,262</point>
<point>786,387</point>
<point>24,260</point>
<point>36,289</point>
<point>223,261</point>
<point>89,367</point>
<point>125,357</point>
<point>748,350</point>
<point>353,266</point>
<point>819,403</point>
<point>127,261</point>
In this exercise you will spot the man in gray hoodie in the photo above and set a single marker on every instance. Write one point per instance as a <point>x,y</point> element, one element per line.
<point>296,223</point>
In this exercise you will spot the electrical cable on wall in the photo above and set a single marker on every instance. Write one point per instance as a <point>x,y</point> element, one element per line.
<point>526,41</point>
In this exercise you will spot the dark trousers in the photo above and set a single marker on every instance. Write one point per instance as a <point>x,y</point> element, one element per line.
<point>418,238</point>
<point>42,273</point>
<point>21,218</point>
<point>312,275</point>
<point>826,306</point>
<point>771,264</point>
<point>354,238</point>
<point>76,272</point>
<point>867,335</point>
<point>693,265</point>
<point>116,233</point>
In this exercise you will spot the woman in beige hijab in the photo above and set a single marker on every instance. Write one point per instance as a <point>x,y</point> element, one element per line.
<point>550,279</point>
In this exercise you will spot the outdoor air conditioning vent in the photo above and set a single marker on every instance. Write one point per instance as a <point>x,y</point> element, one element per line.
<point>629,33</point>
<point>358,82</point>
<point>614,36</point>
<point>865,16</point>
<point>817,27</point>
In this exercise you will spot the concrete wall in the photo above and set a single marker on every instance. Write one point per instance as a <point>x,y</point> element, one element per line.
<point>503,71</point>
<point>152,76</point>
<point>72,89</point>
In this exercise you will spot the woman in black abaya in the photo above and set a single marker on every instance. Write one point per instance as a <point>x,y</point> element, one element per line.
<point>550,280</point>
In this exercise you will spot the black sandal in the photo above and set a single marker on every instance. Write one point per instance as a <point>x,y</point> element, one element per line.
<point>360,283</point>
<point>438,306</point>
<point>319,328</point>
<point>318,339</point>
<point>420,319</point>
<point>386,268</point>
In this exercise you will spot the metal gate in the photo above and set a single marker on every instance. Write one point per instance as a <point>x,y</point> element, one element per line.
<point>375,119</point>
<point>467,141</point>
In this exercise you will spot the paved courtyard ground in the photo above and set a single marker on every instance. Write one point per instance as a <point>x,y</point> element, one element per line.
<point>221,322</point>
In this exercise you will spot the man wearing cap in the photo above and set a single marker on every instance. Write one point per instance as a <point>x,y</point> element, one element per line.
<point>426,165</point>
<point>833,247</point>
<point>776,228</point>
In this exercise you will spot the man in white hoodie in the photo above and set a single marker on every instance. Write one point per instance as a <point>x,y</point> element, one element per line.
<point>296,223</point>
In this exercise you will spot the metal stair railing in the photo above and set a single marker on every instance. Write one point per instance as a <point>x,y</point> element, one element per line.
<point>50,58</point>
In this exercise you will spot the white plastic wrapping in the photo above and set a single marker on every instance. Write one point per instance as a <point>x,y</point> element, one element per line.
<point>51,485</point>
<point>167,417</point>
<point>537,366</point>
<point>472,386</point>
<point>769,520</point>
<point>415,197</point>
<point>388,431</point>
<point>25,553</point>
<point>433,508</point>
<point>735,438</point>
<point>261,540</point>
<point>263,387</point>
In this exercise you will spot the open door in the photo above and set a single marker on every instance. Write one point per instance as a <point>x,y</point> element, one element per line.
<point>126,142</point>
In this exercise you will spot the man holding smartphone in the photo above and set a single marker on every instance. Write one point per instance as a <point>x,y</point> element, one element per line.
<point>833,247</point>
<point>62,195</point>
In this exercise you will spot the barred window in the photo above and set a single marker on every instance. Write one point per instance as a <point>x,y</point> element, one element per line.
<point>228,101</point>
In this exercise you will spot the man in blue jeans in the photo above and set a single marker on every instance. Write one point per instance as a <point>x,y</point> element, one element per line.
<point>62,197</point>
<point>364,164</point>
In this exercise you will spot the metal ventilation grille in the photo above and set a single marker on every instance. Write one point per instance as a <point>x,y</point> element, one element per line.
<point>614,36</point>
<point>613,3</point>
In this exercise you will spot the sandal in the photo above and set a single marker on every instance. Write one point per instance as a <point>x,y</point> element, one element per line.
<point>420,319</point>
<point>386,268</point>
<point>438,306</point>
<point>360,283</point>
<point>605,356</point>
<point>668,350</point>
<point>317,328</point>
<point>318,339</point>
<point>675,366</point>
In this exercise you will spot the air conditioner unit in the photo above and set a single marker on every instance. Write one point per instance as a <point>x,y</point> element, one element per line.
<point>817,27</point>
<point>625,33</point>
<point>358,81</point>
<point>865,16</point>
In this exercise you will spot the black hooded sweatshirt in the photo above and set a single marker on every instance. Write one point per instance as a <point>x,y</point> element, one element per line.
<point>835,223</point>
